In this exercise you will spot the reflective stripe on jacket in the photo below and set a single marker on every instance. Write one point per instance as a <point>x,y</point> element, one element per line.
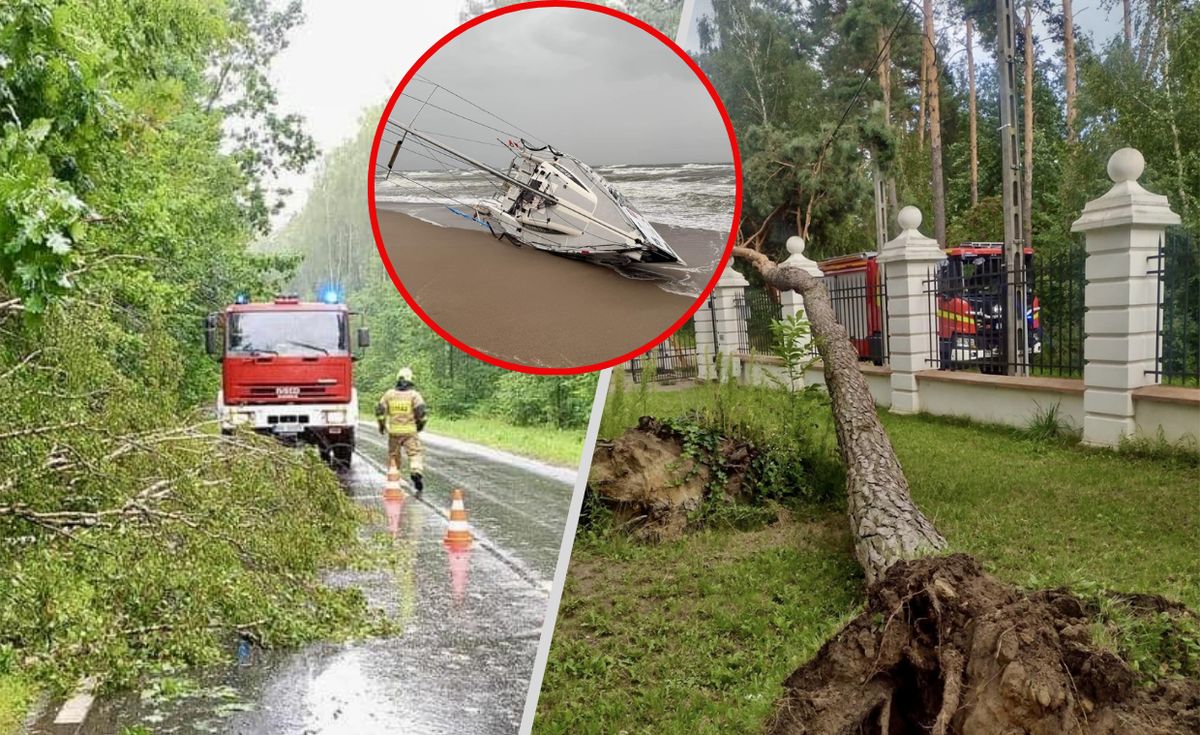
<point>401,408</point>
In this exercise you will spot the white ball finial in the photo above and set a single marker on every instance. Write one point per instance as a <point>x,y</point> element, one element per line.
<point>909,218</point>
<point>1126,164</point>
<point>795,245</point>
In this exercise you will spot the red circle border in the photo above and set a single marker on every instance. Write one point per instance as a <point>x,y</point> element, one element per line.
<point>737,171</point>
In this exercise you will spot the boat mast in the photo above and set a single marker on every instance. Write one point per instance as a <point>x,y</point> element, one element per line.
<point>550,199</point>
<point>467,159</point>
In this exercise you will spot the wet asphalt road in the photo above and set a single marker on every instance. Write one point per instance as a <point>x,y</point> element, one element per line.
<point>471,620</point>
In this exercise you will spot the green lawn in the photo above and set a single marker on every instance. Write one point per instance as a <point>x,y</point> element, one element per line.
<point>696,636</point>
<point>15,698</point>
<point>560,447</point>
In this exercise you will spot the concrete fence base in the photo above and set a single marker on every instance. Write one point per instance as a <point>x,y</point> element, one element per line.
<point>1166,412</point>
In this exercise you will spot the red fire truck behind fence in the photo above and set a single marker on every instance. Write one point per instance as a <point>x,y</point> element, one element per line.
<point>970,296</point>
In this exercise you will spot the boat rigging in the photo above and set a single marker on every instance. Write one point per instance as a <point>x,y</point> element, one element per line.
<point>546,199</point>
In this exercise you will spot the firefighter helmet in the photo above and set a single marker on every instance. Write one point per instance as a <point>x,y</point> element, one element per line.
<point>405,374</point>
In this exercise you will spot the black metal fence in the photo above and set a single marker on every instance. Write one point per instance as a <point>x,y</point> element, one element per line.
<point>1178,324</point>
<point>860,304</point>
<point>676,358</point>
<point>756,309</point>
<point>1058,309</point>
<point>968,297</point>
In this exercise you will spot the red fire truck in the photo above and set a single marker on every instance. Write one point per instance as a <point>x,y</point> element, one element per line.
<point>970,305</point>
<point>286,371</point>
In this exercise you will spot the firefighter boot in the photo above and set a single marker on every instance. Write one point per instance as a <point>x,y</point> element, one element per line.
<point>417,484</point>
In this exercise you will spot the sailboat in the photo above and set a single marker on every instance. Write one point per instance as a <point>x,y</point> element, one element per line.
<point>549,200</point>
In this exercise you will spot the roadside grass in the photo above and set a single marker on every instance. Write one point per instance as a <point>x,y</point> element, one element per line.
<point>562,447</point>
<point>698,635</point>
<point>16,696</point>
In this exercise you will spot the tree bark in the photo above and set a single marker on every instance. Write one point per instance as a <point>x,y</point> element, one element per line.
<point>885,86</point>
<point>886,524</point>
<point>1027,215</point>
<point>1128,15</point>
<point>923,94</point>
<point>972,112</point>
<point>935,131</point>
<point>1069,67</point>
<point>885,74</point>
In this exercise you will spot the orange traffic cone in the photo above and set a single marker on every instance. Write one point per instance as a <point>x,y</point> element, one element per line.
<point>391,486</point>
<point>460,565</point>
<point>458,533</point>
<point>394,509</point>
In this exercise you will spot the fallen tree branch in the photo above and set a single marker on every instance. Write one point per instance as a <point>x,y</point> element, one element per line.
<point>8,373</point>
<point>36,430</point>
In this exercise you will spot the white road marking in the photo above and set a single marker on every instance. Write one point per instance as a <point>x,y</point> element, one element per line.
<point>75,710</point>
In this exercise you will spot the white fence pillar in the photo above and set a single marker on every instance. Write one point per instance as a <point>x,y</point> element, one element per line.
<point>790,302</point>
<point>1123,230</point>
<point>723,321</point>
<point>706,334</point>
<point>907,261</point>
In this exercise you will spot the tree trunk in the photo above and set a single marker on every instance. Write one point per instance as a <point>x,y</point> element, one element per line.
<point>1069,66</point>
<point>1027,215</point>
<point>1128,15</point>
<point>885,87</point>
<point>886,524</point>
<point>972,114</point>
<point>885,74</point>
<point>922,95</point>
<point>1172,115</point>
<point>935,131</point>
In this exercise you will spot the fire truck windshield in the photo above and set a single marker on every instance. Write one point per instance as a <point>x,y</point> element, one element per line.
<point>303,333</point>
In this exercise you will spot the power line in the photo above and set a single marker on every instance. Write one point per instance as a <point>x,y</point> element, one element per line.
<point>866,78</point>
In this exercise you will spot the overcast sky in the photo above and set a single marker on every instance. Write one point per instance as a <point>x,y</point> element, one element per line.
<point>589,84</point>
<point>351,54</point>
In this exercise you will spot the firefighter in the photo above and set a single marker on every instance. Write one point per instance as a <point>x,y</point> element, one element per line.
<point>401,413</point>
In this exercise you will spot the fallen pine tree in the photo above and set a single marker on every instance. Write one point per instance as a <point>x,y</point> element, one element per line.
<point>942,646</point>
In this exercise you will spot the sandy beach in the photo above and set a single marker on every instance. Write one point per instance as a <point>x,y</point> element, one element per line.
<point>526,306</point>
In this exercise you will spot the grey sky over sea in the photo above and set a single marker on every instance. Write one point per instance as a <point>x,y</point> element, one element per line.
<point>591,85</point>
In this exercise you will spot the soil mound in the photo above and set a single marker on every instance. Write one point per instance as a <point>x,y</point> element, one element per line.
<point>945,648</point>
<point>651,484</point>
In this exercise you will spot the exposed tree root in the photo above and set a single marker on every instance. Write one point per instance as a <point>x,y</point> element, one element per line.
<point>945,648</point>
<point>649,483</point>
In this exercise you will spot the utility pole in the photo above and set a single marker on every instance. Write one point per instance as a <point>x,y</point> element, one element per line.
<point>881,209</point>
<point>1013,280</point>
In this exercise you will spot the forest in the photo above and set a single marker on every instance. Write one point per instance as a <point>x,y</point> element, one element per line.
<point>830,94</point>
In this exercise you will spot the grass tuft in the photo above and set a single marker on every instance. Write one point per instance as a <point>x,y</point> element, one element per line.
<point>16,697</point>
<point>562,447</point>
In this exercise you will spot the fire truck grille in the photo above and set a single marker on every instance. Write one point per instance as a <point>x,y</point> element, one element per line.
<point>294,391</point>
<point>274,420</point>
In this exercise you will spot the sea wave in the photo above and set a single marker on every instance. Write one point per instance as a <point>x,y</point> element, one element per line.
<point>693,195</point>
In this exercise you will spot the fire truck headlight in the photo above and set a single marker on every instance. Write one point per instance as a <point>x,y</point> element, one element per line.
<point>240,418</point>
<point>335,417</point>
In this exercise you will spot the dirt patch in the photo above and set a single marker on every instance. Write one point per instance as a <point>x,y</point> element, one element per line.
<point>945,648</point>
<point>652,485</point>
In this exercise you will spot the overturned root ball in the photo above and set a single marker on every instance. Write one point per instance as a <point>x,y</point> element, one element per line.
<point>945,648</point>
